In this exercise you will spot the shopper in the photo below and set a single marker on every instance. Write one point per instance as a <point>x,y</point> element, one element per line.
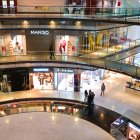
<point>102,89</point>
<point>44,107</point>
<point>93,95</point>
<point>90,99</point>
<point>86,96</point>
<point>90,91</point>
<point>51,52</point>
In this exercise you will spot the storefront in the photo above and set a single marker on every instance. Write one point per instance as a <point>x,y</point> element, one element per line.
<point>39,41</point>
<point>95,40</point>
<point>89,77</point>
<point>12,43</point>
<point>8,6</point>
<point>123,128</point>
<point>64,79</point>
<point>41,78</point>
<point>5,84</point>
<point>14,80</point>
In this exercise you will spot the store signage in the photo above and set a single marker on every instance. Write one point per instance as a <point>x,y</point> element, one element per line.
<point>39,32</point>
<point>40,69</point>
<point>65,70</point>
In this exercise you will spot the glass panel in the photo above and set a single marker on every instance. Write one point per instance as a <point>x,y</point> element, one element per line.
<point>12,8</point>
<point>5,7</point>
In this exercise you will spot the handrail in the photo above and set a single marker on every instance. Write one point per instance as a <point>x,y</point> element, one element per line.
<point>40,99</point>
<point>70,5</point>
<point>7,106</point>
<point>78,10</point>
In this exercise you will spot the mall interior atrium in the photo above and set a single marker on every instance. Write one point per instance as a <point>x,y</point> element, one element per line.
<point>52,52</point>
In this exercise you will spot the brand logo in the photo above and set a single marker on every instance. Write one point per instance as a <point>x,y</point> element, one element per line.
<point>65,70</point>
<point>40,69</point>
<point>39,32</point>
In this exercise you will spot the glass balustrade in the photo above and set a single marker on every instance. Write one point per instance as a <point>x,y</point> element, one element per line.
<point>97,58</point>
<point>69,11</point>
<point>41,104</point>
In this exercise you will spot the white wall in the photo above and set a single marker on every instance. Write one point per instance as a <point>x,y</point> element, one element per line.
<point>29,5</point>
<point>41,2</point>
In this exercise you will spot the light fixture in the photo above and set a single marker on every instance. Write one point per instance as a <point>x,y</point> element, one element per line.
<point>52,23</point>
<point>78,23</point>
<point>25,23</point>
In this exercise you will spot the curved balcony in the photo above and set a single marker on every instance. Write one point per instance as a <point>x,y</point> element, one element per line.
<point>76,62</point>
<point>57,105</point>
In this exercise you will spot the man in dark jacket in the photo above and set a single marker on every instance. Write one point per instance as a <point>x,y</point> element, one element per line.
<point>51,52</point>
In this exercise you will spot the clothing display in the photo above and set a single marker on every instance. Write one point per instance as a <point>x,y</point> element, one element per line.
<point>12,43</point>
<point>41,80</point>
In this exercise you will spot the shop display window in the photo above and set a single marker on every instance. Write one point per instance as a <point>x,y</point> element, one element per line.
<point>4,3</point>
<point>133,132</point>
<point>66,45</point>
<point>41,80</point>
<point>12,44</point>
<point>5,83</point>
<point>66,81</point>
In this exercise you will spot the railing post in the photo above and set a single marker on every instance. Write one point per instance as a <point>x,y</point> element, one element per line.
<point>135,43</point>
<point>136,72</point>
<point>120,66</point>
<point>105,63</point>
<point>126,14</point>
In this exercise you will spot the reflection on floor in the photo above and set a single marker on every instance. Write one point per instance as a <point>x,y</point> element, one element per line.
<point>100,116</point>
<point>49,126</point>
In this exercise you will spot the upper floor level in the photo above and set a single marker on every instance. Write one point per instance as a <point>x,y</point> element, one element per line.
<point>90,8</point>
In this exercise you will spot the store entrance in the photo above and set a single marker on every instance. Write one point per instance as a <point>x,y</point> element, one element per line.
<point>66,81</point>
<point>41,80</point>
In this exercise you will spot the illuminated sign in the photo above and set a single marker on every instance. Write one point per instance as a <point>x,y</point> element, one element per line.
<point>40,69</point>
<point>39,32</point>
<point>65,70</point>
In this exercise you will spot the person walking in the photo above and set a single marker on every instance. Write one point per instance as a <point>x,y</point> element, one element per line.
<point>51,52</point>
<point>86,96</point>
<point>102,89</point>
<point>93,95</point>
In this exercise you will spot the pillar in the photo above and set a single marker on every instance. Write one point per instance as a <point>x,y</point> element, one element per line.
<point>77,80</point>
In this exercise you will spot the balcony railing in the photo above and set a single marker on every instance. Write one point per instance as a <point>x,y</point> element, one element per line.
<point>69,11</point>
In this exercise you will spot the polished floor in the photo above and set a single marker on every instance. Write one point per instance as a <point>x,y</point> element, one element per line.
<point>99,116</point>
<point>49,126</point>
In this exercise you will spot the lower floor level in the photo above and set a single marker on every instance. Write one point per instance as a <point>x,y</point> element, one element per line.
<point>117,97</point>
<point>62,79</point>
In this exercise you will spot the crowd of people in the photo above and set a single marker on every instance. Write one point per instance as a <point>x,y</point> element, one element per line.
<point>89,95</point>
